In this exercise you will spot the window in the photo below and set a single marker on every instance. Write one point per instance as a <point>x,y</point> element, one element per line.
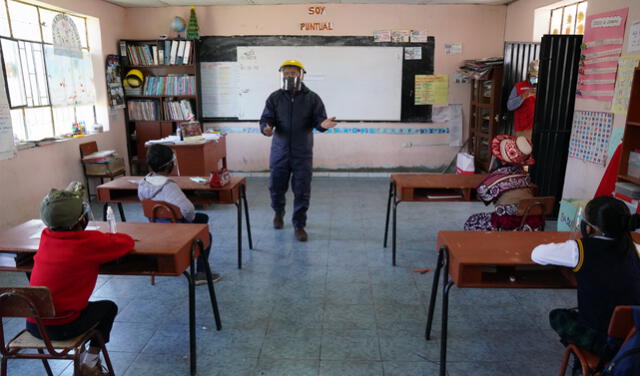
<point>568,19</point>
<point>50,86</point>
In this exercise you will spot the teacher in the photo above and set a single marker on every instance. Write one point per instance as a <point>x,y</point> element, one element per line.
<point>290,115</point>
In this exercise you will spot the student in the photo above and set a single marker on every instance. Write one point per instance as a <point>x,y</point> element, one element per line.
<point>67,262</point>
<point>505,187</point>
<point>607,270</point>
<point>158,187</point>
<point>290,115</point>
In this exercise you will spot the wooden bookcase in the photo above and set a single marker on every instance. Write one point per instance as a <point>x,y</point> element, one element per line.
<point>167,85</point>
<point>631,138</point>
<point>486,97</point>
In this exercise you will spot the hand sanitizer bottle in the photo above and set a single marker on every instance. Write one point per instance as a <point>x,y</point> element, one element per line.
<point>111,219</point>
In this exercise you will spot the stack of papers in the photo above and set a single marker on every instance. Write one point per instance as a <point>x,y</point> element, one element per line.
<point>99,156</point>
<point>479,68</point>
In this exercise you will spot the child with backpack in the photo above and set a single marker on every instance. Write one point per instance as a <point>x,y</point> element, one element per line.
<point>607,271</point>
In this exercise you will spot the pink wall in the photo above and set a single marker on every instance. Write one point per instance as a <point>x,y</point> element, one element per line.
<point>479,28</point>
<point>581,179</point>
<point>30,175</point>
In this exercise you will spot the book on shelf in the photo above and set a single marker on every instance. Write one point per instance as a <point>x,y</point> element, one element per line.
<point>163,52</point>
<point>167,51</point>
<point>180,53</point>
<point>154,49</point>
<point>174,52</point>
<point>187,52</point>
<point>143,109</point>
<point>178,110</point>
<point>173,84</point>
<point>124,59</point>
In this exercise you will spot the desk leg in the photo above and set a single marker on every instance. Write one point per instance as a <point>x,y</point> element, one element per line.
<point>191,276</point>
<point>394,231</point>
<point>239,207</point>
<point>104,211</point>
<point>212,291</point>
<point>434,293</point>
<point>121,212</point>
<point>446,287</point>
<point>386,221</point>
<point>246,215</point>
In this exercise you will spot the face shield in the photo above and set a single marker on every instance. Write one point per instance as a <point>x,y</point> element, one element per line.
<point>291,78</point>
<point>175,168</point>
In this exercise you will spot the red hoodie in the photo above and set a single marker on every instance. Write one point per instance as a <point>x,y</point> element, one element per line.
<point>67,262</point>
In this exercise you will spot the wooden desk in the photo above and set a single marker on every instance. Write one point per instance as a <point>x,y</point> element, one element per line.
<point>199,159</point>
<point>426,188</point>
<point>123,190</point>
<point>501,259</point>
<point>166,249</point>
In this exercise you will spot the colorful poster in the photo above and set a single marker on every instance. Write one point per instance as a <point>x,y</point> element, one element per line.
<point>634,37</point>
<point>602,45</point>
<point>431,89</point>
<point>380,36</point>
<point>626,66</point>
<point>590,136</point>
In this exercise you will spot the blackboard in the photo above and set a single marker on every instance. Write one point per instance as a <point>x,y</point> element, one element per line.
<point>224,49</point>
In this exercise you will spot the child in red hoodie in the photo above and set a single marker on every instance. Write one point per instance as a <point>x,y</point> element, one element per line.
<point>67,262</point>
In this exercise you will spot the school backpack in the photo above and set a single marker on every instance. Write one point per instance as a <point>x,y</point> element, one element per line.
<point>626,362</point>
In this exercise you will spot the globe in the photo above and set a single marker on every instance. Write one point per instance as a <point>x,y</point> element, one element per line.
<point>178,24</point>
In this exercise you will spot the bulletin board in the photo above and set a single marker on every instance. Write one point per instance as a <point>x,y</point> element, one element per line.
<point>357,78</point>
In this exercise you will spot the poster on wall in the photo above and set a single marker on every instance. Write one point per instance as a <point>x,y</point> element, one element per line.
<point>590,136</point>
<point>634,37</point>
<point>7,146</point>
<point>626,66</point>
<point>602,46</point>
<point>431,89</point>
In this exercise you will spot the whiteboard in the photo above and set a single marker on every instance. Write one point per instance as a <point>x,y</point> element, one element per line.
<point>354,82</point>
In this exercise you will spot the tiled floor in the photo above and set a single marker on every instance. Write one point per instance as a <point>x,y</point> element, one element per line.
<point>331,306</point>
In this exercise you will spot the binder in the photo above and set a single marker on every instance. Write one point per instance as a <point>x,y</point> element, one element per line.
<point>167,51</point>
<point>187,52</point>
<point>180,55</point>
<point>174,52</point>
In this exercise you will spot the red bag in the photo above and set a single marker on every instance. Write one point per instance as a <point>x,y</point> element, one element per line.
<point>220,178</point>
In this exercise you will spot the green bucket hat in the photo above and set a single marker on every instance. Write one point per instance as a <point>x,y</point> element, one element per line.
<point>61,209</point>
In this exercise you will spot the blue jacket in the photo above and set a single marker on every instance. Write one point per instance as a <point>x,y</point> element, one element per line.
<point>293,120</point>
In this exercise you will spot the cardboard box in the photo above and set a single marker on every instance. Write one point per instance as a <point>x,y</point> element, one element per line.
<point>568,210</point>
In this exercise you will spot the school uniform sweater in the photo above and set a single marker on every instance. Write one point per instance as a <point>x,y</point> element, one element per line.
<point>605,278</point>
<point>67,262</point>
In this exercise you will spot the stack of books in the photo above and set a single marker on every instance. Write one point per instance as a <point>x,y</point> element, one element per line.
<point>173,84</point>
<point>164,52</point>
<point>178,110</point>
<point>143,110</point>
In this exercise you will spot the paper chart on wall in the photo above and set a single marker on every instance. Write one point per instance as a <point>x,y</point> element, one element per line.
<point>7,146</point>
<point>602,45</point>
<point>590,135</point>
<point>431,89</point>
<point>634,37</point>
<point>220,89</point>
<point>626,66</point>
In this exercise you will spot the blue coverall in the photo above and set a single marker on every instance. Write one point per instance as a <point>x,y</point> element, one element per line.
<point>293,119</point>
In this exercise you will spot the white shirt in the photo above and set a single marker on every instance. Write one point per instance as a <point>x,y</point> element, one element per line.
<point>562,254</point>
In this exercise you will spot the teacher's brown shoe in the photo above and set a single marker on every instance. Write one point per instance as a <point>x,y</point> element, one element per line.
<point>278,220</point>
<point>301,234</point>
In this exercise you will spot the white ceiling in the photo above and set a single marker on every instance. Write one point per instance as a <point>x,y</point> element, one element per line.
<point>167,3</point>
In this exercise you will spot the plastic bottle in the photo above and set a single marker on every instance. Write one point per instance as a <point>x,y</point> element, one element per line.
<point>111,219</point>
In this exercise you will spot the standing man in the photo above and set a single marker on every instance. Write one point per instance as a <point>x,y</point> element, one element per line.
<point>522,101</point>
<point>290,115</point>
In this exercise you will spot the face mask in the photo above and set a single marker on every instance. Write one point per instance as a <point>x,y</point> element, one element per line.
<point>291,84</point>
<point>533,80</point>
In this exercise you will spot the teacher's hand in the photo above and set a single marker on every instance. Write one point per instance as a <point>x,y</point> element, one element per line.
<point>268,131</point>
<point>329,123</point>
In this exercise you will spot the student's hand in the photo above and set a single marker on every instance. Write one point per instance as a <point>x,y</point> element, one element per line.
<point>267,130</point>
<point>329,123</point>
<point>529,93</point>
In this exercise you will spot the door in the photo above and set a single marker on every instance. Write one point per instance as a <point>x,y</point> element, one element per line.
<point>559,58</point>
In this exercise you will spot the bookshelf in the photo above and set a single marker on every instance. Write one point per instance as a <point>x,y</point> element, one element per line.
<point>631,138</point>
<point>169,95</point>
<point>485,109</point>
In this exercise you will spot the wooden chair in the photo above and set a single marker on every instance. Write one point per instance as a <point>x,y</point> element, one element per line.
<point>621,327</point>
<point>108,169</point>
<point>36,302</point>
<point>160,209</point>
<point>541,206</point>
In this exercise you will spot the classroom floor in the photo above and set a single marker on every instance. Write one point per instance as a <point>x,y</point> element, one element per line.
<point>331,306</point>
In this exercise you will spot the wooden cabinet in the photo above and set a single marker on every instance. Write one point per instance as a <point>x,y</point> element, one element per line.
<point>169,95</point>
<point>631,138</point>
<point>484,116</point>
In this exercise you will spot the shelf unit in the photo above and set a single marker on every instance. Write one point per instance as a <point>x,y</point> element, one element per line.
<point>631,138</point>
<point>157,122</point>
<point>486,97</point>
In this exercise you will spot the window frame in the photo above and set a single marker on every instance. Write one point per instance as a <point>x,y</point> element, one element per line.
<point>24,107</point>
<point>575,19</point>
